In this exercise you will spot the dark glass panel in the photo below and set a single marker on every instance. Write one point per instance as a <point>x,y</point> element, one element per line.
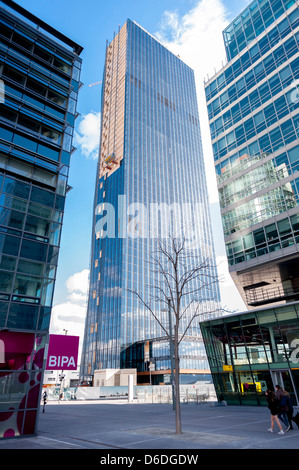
<point>22,316</point>
<point>42,197</point>
<point>9,245</point>
<point>34,250</point>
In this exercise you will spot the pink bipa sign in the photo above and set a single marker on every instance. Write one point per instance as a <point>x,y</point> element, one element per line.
<point>62,352</point>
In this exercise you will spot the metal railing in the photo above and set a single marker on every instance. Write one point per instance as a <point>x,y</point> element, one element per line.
<point>266,294</point>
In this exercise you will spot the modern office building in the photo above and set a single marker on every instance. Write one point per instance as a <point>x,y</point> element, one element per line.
<point>253,106</point>
<point>254,351</point>
<point>39,72</point>
<point>150,160</point>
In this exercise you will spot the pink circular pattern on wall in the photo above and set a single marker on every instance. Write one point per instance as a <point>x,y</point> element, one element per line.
<point>30,399</point>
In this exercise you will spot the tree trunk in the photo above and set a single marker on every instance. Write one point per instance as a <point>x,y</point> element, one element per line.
<point>178,422</point>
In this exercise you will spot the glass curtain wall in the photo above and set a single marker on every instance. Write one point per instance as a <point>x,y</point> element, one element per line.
<point>248,353</point>
<point>40,77</point>
<point>253,112</point>
<point>161,164</point>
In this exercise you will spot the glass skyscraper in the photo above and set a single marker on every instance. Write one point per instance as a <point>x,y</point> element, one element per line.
<point>253,112</point>
<point>150,163</point>
<point>39,72</point>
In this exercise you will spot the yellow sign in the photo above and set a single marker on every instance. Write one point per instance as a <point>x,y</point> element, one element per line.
<point>227,368</point>
<point>249,385</point>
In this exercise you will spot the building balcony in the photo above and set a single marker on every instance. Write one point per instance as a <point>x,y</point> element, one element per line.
<point>268,295</point>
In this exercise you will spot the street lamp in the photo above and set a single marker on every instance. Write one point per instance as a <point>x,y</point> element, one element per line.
<point>61,376</point>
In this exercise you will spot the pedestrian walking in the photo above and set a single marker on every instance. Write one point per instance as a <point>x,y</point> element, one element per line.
<point>282,397</point>
<point>273,405</point>
<point>44,400</point>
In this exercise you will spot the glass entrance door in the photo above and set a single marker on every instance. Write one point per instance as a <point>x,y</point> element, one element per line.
<point>284,378</point>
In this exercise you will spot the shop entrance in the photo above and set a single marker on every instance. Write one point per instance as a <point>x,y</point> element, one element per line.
<point>283,377</point>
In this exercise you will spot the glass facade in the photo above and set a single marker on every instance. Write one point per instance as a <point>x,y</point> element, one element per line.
<point>251,352</point>
<point>40,77</point>
<point>253,112</point>
<point>150,155</point>
<point>252,22</point>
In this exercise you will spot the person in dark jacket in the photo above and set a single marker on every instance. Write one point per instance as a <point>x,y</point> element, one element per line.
<point>273,405</point>
<point>281,396</point>
<point>286,405</point>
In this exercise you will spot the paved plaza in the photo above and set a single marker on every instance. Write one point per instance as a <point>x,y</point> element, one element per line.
<point>122,426</point>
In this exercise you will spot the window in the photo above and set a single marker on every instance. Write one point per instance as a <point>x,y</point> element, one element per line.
<point>294,154</point>
<point>259,237</point>
<point>286,75</point>
<point>276,139</point>
<point>57,98</point>
<point>25,142</point>
<point>22,316</point>
<point>271,232</point>
<point>27,285</point>
<point>16,188</point>
<point>284,227</point>
<point>288,131</point>
<point>8,263</point>
<point>13,75</point>
<point>37,226</point>
<point>270,115</point>
<point>9,115</point>
<point>42,53</point>
<point>264,143</point>
<point>36,87</point>
<point>34,250</point>
<point>6,281</point>
<point>28,123</point>
<point>42,197</point>
<point>55,234</point>
<point>29,267</point>
<point>277,8</point>
<point>51,135</point>
<point>281,107</point>
<point>6,135</point>
<point>9,245</point>
<point>48,152</point>
<point>11,218</point>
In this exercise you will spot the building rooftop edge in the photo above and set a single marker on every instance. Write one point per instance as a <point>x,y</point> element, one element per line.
<point>163,45</point>
<point>45,26</point>
<point>246,312</point>
<point>236,17</point>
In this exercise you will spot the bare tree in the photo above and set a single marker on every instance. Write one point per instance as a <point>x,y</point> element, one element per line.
<point>186,287</point>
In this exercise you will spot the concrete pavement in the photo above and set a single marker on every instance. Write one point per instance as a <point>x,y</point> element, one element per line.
<point>121,426</point>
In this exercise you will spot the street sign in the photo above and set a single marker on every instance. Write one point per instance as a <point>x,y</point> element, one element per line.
<point>62,352</point>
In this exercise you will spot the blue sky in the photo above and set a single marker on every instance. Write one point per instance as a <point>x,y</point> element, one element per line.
<point>191,28</point>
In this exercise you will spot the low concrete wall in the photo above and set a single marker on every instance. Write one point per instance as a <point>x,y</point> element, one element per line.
<point>141,394</point>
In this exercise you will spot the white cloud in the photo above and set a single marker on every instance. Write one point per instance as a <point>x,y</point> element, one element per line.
<point>87,136</point>
<point>70,315</point>
<point>78,282</point>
